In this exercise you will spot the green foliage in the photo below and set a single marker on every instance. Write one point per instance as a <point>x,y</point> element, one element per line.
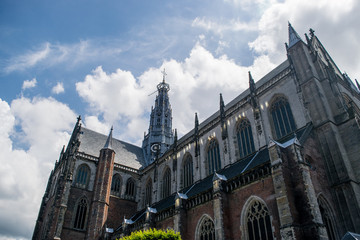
<point>153,234</point>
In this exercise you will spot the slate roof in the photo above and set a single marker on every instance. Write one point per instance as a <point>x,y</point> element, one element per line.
<point>126,154</point>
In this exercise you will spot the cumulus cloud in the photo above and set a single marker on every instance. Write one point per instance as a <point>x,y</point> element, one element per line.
<point>330,18</point>
<point>29,83</point>
<point>58,88</point>
<point>119,98</point>
<point>40,126</point>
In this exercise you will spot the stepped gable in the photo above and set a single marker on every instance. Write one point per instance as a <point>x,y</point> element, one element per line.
<point>126,154</point>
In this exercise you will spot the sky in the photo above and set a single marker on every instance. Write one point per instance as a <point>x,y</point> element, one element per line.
<point>103,59</point>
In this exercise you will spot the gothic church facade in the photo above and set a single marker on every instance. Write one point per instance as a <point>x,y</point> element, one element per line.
<point>280,161</point>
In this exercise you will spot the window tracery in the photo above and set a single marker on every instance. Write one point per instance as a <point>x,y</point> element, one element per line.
<point>166,183</point>
<point>213,157</point>
<point>116,185</point>
<point>81,212</point>
<point>207,230</point>
<point>82,176</point>
<point>258,222</point>
<point>187,171</point>
<point>282,117</point>
<point>245,138</point>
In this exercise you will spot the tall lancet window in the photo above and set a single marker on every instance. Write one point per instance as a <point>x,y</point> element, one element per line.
<point>166,183</point>
<point>80,217</point>
<point>130,188</point>
<point>245,138</point>
<point>148,193</point>
<point>82,176</point>
<point>116,185</point>
<point>282,117</point>
<point>187,175</point>
<point>213,157</point>
<point>258,222</point>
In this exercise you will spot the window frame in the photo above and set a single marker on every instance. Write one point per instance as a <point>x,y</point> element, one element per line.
<point>187,178</point>
<point>213,157</point>
<point>80,181</point>
<point>244,138</point>
<point>281,117</point>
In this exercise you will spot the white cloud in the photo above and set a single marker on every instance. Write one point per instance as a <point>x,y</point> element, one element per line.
<point>29,59</point>
<point>232,25</point>
<point>42,124</point>
<point>29,83</point>
<point>118,98</point>
<point>328,17</point>
<point>58,88</point>
<point>50,54</point>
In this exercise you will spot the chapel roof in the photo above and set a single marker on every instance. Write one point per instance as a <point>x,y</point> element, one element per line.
<point>126,154</point>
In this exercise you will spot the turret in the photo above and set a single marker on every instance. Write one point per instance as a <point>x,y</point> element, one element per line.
<point>160,136</point>
<point>102,185</point>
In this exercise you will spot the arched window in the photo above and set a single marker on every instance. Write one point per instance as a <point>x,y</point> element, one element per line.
<point>213,157</point>
<point>206,230</point>
<point>130,188</point>
<point>166,183</point>
<point>82,176</point>
<point>116,185</point>
<point>282,118</point>
<point>187,174</point>
<point>80,217</point>
<point>148,192</point>
<point>258,222</point>
<point>327,218</point>
<point>244,138</point>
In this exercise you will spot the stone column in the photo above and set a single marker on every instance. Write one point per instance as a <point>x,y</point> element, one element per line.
<point>179,217</point>
<point>287,230</point>
<point>218,208</point>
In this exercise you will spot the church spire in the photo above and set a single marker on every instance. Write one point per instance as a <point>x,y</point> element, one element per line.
<point>293,36</point>
<point>161,135</point>
<point>108,144</point>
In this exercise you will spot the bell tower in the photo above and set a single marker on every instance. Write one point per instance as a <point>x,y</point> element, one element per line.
<point>160,134</point>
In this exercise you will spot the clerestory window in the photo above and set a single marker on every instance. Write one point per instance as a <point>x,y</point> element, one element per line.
<point>82,176</point>
<point>245,138</point>
<point>282,117</point>
<point>213,157</point>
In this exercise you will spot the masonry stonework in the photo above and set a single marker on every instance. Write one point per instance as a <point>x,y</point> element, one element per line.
<point>280,161</point>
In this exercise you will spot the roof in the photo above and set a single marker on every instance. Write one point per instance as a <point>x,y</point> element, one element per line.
<point>126,154</point>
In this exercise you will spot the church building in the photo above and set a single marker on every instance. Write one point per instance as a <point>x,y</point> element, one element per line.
<point>280,161</point>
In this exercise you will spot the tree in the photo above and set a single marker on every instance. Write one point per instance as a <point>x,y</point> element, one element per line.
<point>153,234</point>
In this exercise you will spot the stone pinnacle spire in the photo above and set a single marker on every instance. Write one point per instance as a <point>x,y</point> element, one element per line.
<point>108,144</point>
<point>293,36</point>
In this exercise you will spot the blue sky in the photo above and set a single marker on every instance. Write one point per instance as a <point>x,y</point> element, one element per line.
<point>101,60</point>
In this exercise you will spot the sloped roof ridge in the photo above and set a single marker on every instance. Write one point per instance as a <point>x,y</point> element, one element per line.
<point>106,136</point>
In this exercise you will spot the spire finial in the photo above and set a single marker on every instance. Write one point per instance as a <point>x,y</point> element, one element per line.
<point>293,36</point>
<point>251,83</point>
<point>164,74</point>
<point>108,144</point>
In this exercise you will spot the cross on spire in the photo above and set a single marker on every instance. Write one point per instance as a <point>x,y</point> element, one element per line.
<point>164,74</point>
